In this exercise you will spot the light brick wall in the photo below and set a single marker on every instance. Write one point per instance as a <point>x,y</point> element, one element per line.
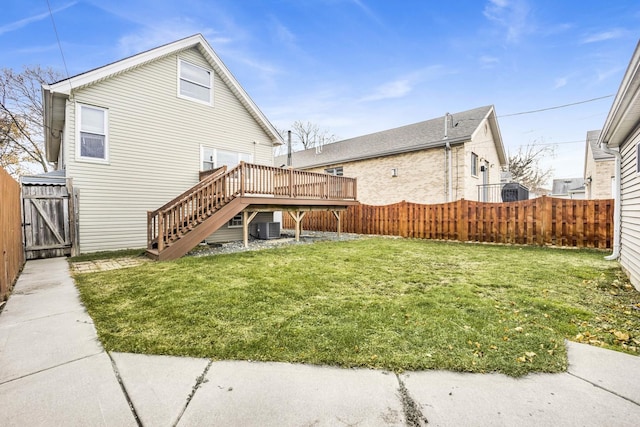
<point>421,177</point>
<point>601,173</point>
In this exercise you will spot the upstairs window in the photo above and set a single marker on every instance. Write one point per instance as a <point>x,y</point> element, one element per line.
<point>195,82</point>
<point>474,164</point>
<point>92,135</point>
<point>337,171</point>
<point>214,158</point>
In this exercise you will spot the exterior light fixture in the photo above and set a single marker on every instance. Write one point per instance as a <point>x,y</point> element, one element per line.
<point>394,172</point>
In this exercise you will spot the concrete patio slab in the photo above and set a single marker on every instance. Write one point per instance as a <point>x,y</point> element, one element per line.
<point>280,394</point>
<point>455,399</point>
<point>80,393</point>
<point>611,370</point>
<point>159,386</point>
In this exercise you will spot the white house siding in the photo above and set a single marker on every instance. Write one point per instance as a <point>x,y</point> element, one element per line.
<point>482,144</point>
<point>630,229</point>
<point>154,148</point>
<point>230,234</point>
<point>601,173</point>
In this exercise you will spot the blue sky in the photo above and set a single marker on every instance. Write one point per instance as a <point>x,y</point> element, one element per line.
<point>361,66</point>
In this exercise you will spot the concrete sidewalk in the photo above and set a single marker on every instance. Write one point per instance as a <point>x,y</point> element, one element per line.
<point>53,371</point>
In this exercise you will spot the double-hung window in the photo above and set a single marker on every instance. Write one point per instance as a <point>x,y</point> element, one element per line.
<point>474,164</point>
<point>195,82</point>
<point>92,136</point>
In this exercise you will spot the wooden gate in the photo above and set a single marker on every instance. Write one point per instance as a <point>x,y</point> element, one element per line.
<point>48,212</point>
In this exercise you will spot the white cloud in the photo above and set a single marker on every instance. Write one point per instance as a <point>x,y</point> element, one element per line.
<point>487,61</point>
<point>615,33</point>
<point>560,82</point>
<point>393,89</point>
<point>404,85</point>
<point>16,25</point>
<point>512,15</point>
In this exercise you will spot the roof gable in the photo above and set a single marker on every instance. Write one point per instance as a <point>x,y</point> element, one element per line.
<point>55,94</point>
<point>624,116</point>
<point>418,136</point>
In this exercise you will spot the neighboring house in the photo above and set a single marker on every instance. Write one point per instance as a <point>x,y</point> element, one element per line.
<point>599,169</point>
<point>134,134</point>
<point>568,188</point>
<point>620,137</point>
<point>435,161</point>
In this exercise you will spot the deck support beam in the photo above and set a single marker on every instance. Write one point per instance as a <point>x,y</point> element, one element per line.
<point>246,220</point>
<point>338,216</point>
<point>297,217</point>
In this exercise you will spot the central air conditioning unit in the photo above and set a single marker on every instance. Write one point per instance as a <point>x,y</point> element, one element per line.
<point>268,230</point>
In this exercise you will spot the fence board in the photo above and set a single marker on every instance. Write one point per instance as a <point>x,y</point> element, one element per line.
<point>11,250</point>
<point>544,221</point>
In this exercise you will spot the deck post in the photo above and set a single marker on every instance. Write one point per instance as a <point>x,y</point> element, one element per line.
<point>160,231</point>
<point>297,217</point>
<point>337,214</point>
<point>246,220</point>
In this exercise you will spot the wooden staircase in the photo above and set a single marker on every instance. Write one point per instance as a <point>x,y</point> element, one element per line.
<point>178,226</point>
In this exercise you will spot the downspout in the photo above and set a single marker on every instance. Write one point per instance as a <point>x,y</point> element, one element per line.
<point>617,202</point>
<point>448,156</point>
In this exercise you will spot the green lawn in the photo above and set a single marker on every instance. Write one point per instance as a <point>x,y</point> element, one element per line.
<point>396,304</point>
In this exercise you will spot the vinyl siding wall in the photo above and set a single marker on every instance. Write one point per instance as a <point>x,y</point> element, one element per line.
<point>630,226</point>
<point>154,148</point>
<point>230,234</point>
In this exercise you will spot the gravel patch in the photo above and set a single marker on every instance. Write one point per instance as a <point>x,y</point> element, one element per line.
<point>287,237</point>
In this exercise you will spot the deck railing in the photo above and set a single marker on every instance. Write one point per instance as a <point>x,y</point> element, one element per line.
<point>177,217</point>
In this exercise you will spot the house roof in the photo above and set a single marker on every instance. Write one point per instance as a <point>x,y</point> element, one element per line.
<point>624,115</point>
<point>55,94</point>
<point>596,152</point>
<point>414,137</point>
<point>563,187</point>
<point>56,177</point>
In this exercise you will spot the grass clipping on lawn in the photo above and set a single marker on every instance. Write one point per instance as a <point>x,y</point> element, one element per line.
<point>396,304</point>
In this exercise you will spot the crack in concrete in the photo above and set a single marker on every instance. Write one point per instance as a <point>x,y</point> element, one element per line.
<point>49,368</point>
<point>413,415</point>
<point>124,390</point>
<point>199,381</point>
<point>604,389</point>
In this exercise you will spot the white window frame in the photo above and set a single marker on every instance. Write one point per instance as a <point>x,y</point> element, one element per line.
<point>475,162</point>
<point>335,171</point>
<point>233,222</point>
<point>246,157</point>
<point>79,156</point>
<point>180,95</point>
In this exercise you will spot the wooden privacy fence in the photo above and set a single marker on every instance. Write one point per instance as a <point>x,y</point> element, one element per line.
<point>541,221</point>
<point>11,251</point>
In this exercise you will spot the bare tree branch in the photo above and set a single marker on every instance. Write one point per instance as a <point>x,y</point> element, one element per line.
<point>21,113</point>
<point>525,166</point>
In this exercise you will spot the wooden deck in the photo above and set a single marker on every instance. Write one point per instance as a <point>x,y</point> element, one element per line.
<point>179,225</point>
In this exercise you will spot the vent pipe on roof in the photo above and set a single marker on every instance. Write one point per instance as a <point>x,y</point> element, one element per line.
<point>446,125</point>
<point>289,148</point>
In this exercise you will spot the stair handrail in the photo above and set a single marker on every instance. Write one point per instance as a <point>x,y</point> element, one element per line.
<point>180,198</point>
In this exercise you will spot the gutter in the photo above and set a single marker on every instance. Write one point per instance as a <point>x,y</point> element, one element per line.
<point>617,209</point>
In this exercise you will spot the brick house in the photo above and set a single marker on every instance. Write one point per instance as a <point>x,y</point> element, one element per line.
<point>434,161</point>
<point>599,169</point>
